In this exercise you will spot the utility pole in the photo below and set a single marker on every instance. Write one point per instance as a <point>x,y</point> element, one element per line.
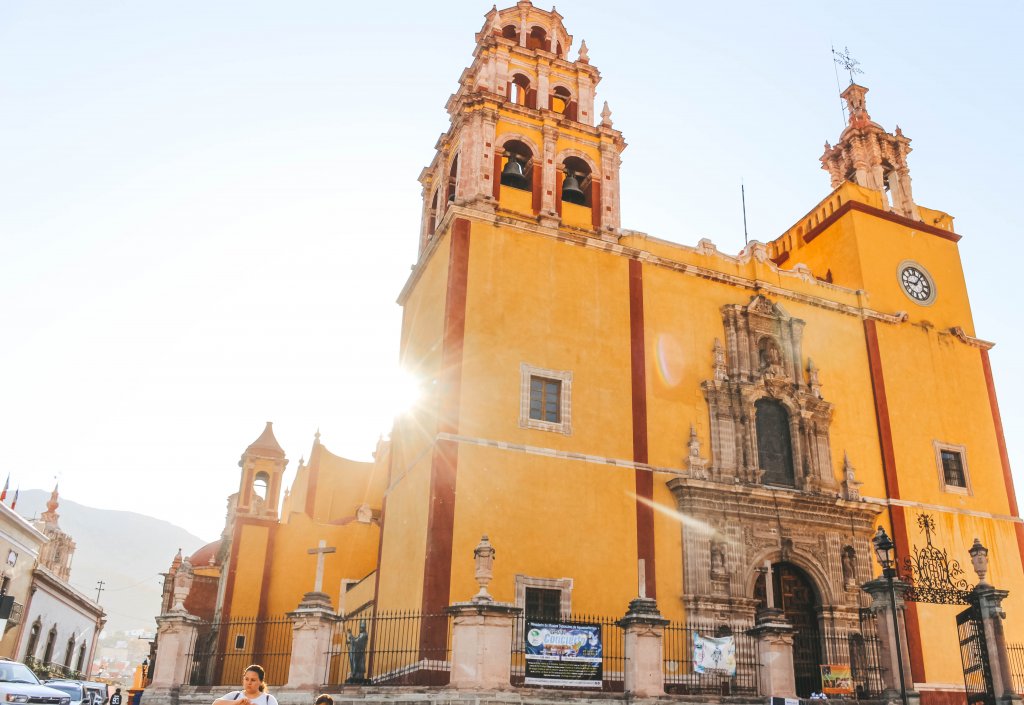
<point>99,589</point>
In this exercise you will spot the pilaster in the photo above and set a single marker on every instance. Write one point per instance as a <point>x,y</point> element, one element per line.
<point>774,635</point>
<point>176,634</point>
<point>988,602</point>
<point>312,624</point>
<point>481,644</point>
<point>888,606</point>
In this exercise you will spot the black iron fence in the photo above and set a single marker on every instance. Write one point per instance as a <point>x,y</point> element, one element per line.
<point>222,650</point>
<point>613,642</point>
<point>682,677</point>
<point>1016,654</point>
<point>862,652</point>
<point>390,648</point>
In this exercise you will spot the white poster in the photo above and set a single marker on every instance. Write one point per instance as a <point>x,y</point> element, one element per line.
<point>714,654</point>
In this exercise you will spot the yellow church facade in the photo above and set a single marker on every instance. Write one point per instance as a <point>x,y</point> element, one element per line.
<point>624,415</point>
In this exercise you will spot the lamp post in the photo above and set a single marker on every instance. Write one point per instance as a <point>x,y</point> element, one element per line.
<point>885,552</point>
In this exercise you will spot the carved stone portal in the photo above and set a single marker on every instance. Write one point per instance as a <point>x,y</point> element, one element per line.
<point>763,389</point>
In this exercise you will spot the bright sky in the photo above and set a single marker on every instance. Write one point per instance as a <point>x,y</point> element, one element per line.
<point>207,210</point>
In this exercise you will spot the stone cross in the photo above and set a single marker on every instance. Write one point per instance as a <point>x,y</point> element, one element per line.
<point>321,549</point>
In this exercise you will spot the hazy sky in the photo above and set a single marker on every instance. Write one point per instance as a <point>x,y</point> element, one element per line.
<point>207,210</point>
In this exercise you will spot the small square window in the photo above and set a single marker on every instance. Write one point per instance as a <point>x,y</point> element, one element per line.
<point>544,603</point>
<point>239,641</point>
<point>544,402</point>
<point>951,461</point>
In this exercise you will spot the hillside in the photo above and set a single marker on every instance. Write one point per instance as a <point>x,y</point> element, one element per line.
<point>127,551</point>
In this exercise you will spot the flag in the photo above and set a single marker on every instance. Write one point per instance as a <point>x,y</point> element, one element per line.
<point>15,500</point>
<point>7,483</point>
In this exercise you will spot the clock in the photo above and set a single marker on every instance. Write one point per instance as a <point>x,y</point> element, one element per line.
<point>917,284</point>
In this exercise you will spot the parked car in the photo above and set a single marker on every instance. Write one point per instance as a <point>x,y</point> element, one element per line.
<point>18,684</point>
<point>81,692</point>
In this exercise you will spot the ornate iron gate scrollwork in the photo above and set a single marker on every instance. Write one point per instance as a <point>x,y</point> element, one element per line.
<point>933,577</point>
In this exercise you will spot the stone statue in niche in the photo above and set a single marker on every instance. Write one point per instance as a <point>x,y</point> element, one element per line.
<point>849,561</point>
<point>769,357</point>
<point>718,560</point>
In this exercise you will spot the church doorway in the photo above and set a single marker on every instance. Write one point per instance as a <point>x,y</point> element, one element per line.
<point>794,594</point>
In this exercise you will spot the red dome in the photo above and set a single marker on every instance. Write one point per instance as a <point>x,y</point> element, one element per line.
<point>205,555</point>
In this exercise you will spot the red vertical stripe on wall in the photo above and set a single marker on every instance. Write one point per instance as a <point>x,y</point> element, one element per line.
<point>559,178</point>
<point>595,204</point>
<point>1004,458</point>
<point>897,516</point>
<point>644,480</point>
<point>496,186</point>
<point>444,463</point>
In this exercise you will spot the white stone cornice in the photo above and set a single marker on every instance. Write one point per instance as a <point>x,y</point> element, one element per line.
<point>961,335</point>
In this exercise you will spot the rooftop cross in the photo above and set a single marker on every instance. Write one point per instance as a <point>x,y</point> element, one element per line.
<point>848,63</point>
<point>321,549</point>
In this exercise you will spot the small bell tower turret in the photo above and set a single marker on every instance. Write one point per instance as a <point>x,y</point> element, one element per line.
<point>523,138</point>
<point>870,157</point>
<point>263,465</point>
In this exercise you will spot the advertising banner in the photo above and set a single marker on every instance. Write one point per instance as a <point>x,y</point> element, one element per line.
<point>836,679</point>
<point>714,654</point>
<point>563,654</point>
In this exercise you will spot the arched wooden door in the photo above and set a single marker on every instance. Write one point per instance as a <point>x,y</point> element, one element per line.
<point>794,595</point>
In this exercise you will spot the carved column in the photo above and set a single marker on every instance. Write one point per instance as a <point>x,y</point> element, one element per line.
<point>176,635</point>
<point>644,645</point>
<point>774,654</point>
<point>890,624</point>
<point>548,215</point>
<point>312,623</point>
<point>988,602</point>
<point>481,643</point>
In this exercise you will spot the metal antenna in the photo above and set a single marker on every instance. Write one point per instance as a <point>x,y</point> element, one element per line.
<point>846,61</point>
<point>839,87</point>
<point>743,196</point>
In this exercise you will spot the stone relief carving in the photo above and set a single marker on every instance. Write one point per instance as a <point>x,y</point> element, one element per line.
<point>696,466</point>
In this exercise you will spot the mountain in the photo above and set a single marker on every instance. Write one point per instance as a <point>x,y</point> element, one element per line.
<point>127,551</point>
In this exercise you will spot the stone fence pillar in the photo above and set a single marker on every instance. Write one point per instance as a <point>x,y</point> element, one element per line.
<point>176,635</point>
<point>482,644</point>
<point>988,601</point>
<point>312,624</point>
<point>774,654</point>
<point>644,629</point>
<point>890,624</point>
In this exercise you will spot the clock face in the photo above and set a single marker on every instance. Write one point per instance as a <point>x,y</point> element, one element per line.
<point>916,283</point>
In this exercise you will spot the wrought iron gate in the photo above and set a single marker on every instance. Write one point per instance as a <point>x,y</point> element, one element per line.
<point>974,655</point>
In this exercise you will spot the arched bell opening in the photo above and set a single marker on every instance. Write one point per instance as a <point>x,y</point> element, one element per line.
<point>517,166</point>
<point>510,32</point>
<point>537,39</point>
<point>561,102</point>
<point>794,594</point>
<point>576,185</point>
<point>520,92</point>
<point>260,484</point>
<point>432,216</point>
<point>453,177</point>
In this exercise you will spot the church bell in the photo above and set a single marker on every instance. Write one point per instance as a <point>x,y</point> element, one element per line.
<point>571,192</point>
<point>512,175</point>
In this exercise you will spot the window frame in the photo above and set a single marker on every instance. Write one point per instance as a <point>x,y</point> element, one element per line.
<point>564,585</point>
<point>960,450</point>
<point>564,377</point>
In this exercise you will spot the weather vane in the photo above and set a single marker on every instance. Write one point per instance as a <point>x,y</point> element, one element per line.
<point>848,63</point>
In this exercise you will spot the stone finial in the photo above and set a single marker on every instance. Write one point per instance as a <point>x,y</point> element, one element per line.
<point>584,57</point>
<point>851,485</point>
<point>182,585</point>
<point>606,115</point>
<point>812,378</point>
<point>695,465</point>
<point>979,559</point>
<point>483,556</point>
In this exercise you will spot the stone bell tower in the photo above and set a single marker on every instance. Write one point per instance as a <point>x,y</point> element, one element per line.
<point>524,139</point>
<point>870,157</point>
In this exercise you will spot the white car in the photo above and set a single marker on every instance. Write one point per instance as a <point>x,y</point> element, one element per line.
<point>18,684</point>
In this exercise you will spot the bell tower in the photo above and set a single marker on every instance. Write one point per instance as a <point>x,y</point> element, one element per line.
<point>263,465</point>
<point>870,157</point>
<point>524,140</point>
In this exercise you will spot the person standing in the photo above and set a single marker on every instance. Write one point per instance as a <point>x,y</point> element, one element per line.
<point>253,692</point>
<point>115,699</point>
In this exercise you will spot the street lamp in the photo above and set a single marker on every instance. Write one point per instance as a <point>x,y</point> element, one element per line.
<point>885,552</point>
